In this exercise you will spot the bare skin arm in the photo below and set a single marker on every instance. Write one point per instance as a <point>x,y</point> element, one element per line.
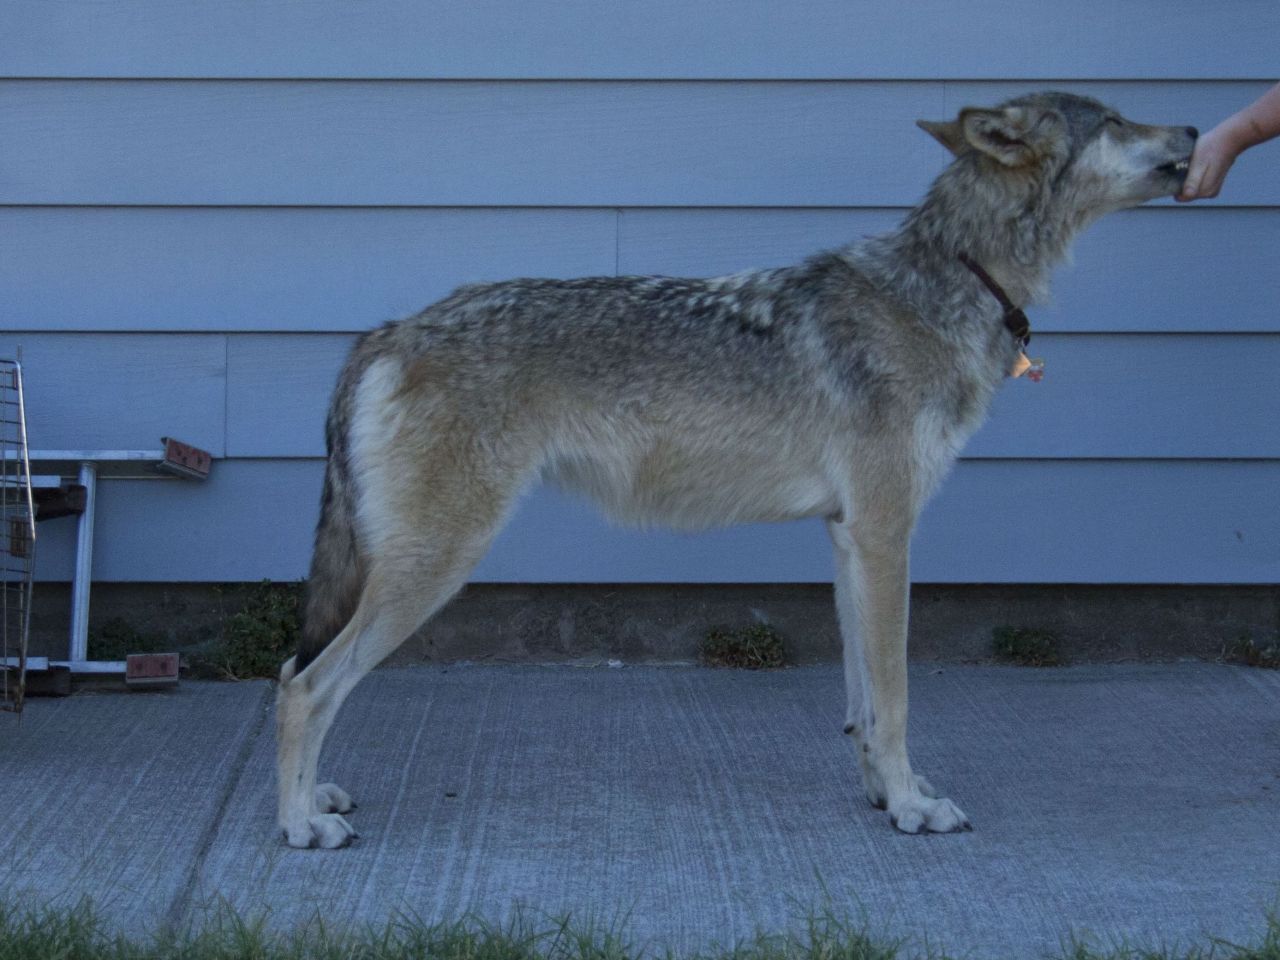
<point>1217,150</point>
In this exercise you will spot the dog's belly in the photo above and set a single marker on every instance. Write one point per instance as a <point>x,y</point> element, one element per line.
<point>695,490</point>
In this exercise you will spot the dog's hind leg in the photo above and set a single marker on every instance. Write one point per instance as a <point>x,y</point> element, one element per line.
<point>872,586</point>
<point>410,578</point>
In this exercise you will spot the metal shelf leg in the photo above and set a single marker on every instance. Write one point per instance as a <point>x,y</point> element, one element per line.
<point>84,565</point>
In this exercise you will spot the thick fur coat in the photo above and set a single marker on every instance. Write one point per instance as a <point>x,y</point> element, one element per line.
<point>842,387</point>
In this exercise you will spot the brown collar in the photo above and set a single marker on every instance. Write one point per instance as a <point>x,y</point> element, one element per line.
<point>1014,318</point>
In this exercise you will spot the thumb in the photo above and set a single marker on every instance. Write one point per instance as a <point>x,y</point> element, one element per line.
<point>1191,186</point>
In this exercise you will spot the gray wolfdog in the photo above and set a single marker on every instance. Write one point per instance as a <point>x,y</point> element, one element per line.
<point>842,387</point>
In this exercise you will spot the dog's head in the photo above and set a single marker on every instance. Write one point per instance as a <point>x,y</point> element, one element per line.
<point>1074,146</point>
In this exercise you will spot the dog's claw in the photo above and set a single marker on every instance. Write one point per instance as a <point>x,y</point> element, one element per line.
<point>331,798</point>
<point>922,814</point>
<point>325,831</point>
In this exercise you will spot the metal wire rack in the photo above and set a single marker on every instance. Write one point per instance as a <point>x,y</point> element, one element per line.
<point>17,536</point>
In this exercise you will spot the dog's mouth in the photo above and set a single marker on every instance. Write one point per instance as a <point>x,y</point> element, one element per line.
<point>1175,168</point>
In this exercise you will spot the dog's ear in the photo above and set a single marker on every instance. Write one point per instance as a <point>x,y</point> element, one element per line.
<point>946,132</point>
<point>1005,134</point>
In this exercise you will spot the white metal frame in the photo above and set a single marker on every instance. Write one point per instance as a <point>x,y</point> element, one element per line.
<point>88,467</point>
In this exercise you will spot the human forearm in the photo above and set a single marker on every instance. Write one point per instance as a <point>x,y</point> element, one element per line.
<point>1256,123</point>
<point>1217,150</point>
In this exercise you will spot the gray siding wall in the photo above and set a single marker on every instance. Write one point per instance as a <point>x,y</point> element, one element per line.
<point>202,204</point>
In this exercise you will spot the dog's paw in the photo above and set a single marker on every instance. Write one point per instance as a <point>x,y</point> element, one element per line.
<point>326,831</point>
<point>922,814</point>
<point>876,793</point>
<point>331,798</point>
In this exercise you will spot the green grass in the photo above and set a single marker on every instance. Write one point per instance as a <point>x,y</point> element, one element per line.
<point>257,638</point>
<point>1025,647</point>
<point>1248,651</point>
<point>80,934</point>
<point>254,641</point>
<point>756,647</point>
<point>116,638</point>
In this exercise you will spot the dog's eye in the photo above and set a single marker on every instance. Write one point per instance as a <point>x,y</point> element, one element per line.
<point>1115,121</point>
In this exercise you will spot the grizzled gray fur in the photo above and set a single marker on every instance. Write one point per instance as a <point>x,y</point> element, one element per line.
<point>842,387</point>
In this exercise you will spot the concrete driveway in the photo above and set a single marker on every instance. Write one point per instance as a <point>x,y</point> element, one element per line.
<point>1125,802</point>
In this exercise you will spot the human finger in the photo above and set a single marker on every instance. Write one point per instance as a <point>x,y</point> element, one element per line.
<point>1191,185</point>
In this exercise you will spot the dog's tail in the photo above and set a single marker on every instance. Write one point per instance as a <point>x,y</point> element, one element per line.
<point>337,568</point>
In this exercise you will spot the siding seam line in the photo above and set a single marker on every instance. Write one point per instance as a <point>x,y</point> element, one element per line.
<point>226,395</point>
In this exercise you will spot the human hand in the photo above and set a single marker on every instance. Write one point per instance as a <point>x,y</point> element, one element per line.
<point>1211,158</point>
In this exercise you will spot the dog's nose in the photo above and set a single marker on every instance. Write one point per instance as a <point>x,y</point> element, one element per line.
<point>1193,133</point>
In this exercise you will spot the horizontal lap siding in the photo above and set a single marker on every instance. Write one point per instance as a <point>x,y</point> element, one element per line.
<point>192,257</point>
<point>121,392</point>
<point>269,269</point>
<point>1156,269</point>
<point>1123,396</point>
<point>263,396</point>
<point>755,143</point>
<point>550,144</point>
<point>994,521</point>
<point>154,269</point>
<point>653,39</point>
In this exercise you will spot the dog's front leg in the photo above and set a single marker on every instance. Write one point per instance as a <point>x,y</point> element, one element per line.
<point>872,587</point>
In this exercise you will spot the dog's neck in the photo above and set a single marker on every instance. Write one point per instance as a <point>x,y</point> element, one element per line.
<point>1018,234</point>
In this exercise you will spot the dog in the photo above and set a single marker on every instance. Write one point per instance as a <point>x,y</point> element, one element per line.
<point>843,387</point>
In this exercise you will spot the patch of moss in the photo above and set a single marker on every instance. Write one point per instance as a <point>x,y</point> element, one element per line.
<point>116,638</point>
<point>1248,651</point>
<point>757,647</point>
<point>1026,647</point>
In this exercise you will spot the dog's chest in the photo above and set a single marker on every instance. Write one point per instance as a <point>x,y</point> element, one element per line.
<point>943,426</point>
